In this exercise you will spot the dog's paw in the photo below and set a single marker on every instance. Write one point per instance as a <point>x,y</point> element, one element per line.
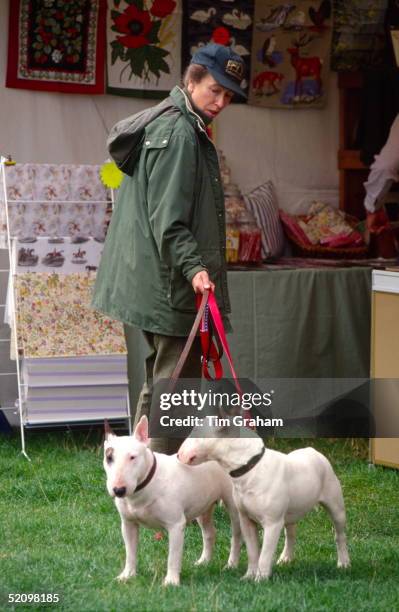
<point>342,563</point>
<point>231,564</point>
<point>171,581</point>
<point>125,575</point>
<point>260,576</point>
<point>202,560</point>
<point>283,559</point>
<point>249,575</point>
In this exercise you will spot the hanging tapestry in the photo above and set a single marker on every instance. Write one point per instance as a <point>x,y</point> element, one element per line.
<point>143,47</point>
<point>290,54</point>
<point>55,45</point>
<point>224,22</point>
<point>359,39</point>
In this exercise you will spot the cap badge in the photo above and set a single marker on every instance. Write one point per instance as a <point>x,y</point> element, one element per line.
<point>235,69</point>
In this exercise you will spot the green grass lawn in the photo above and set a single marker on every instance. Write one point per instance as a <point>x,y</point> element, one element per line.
<point>60,533</point>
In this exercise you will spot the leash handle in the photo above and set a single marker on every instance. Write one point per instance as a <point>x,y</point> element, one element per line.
<point>197,322</point>
<point>210,353</point>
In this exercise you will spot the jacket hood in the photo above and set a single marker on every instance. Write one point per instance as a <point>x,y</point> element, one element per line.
<point>126,138</point>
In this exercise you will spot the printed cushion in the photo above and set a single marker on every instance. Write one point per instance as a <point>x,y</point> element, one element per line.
<point>262,202</point>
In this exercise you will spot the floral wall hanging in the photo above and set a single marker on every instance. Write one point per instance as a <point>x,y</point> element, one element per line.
<point>143,47</point>
<point>55,45</point>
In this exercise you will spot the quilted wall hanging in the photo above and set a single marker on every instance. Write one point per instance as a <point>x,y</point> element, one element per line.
<point>55,45</point>
<point>143,47</point>
<point>359,37</point>
<point>223,22</point>
<point>290,54</point>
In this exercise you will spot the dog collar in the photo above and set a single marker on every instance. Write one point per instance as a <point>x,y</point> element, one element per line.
<point>249,465</point>
<point>149,476</point>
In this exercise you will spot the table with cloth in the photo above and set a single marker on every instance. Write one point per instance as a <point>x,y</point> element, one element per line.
<point>290,323</point>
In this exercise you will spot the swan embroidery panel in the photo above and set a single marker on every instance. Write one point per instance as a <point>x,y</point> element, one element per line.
<point>224,22</point>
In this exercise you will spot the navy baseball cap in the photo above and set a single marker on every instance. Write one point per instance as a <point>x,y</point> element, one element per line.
<point>226,67</point>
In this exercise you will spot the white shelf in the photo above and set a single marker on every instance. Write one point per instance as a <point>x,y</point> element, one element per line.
<point>59,201</point>
<point>385,281</point>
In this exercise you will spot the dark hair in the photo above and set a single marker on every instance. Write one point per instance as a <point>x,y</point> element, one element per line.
<point>194,72</point>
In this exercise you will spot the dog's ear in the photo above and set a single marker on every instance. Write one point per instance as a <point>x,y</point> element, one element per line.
<point>141,431</point>
<point>108,433</point>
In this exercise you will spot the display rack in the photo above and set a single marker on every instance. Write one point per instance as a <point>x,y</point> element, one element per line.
<point>86,415</point>
<point>11,298</point>
<point>352,172</point>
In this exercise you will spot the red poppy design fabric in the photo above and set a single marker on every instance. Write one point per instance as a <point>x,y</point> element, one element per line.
<point>143,47</point>
<point>135,25</point>
<point>57,46</point>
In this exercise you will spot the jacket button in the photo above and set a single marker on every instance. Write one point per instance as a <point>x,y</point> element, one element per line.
<point>147,142</point>
<point>164,141</point>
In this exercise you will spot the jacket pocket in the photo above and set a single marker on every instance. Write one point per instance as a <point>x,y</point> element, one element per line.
<point>181,295</point>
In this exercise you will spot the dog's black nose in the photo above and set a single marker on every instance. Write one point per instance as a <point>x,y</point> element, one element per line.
<point>119,491</point>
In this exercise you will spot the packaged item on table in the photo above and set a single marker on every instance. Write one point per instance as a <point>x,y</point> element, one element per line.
<point>250,239</point>
<point>234,205</point>
<point>232,242</point>
<point>233,201</point>
<point>224,170</point>
<point>243,237</point>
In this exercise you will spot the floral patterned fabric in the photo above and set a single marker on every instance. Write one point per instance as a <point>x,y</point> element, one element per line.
<point>54,317</point>
<point>54,182</point>
<point>55,200</point>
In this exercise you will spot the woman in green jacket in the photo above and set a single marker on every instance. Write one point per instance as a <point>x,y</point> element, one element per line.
<point>166,240</point>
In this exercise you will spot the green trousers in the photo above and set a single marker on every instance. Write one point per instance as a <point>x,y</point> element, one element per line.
<point>160,363</point>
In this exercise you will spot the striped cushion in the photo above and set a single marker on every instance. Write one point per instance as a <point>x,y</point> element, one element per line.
<point>262,202</point>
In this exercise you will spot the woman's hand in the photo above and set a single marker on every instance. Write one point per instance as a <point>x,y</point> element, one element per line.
<point>201,281</point>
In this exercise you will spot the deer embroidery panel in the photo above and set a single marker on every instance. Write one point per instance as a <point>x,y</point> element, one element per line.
<point>290,54</point>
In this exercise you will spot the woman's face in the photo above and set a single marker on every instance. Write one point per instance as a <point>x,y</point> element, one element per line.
<point>208,96</point>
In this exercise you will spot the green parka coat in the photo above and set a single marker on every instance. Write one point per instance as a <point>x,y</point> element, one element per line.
<point>167,225</point>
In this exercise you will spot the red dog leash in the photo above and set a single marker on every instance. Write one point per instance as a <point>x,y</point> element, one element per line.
<point>210,353</point>
<point>209,317</point>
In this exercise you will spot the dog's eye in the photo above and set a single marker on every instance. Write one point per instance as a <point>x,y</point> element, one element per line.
<point>132,457</point>
<point>109,459</point>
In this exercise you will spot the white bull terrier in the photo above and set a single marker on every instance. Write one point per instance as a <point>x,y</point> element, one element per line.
<point>158,491</point>
<point>273,490</point>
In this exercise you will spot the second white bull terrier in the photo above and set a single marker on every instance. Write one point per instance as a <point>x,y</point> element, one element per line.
<point>273,490</point>
<point>158,491</point>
